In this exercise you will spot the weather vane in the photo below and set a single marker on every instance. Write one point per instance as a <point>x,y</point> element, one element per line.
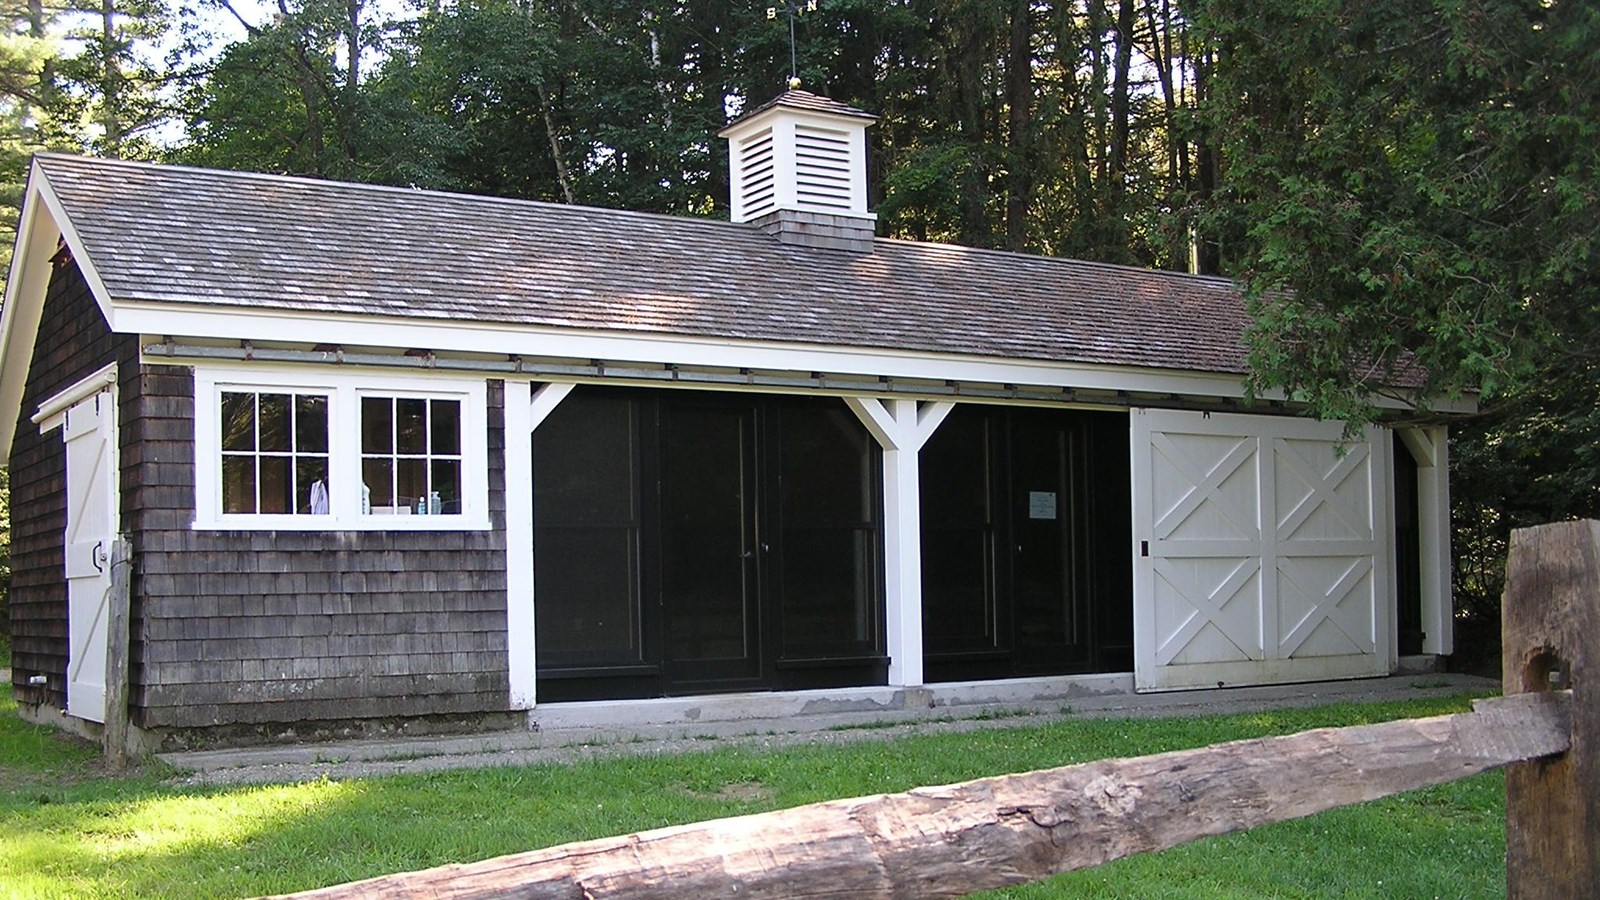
<point>794,8</point>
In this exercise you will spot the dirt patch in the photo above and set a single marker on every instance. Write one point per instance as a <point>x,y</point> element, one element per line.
<point>745,792</point>
<point>735,792</point>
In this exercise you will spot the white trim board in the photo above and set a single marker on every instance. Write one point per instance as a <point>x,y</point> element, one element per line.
<point>521,640</point>
<point>54,410</point>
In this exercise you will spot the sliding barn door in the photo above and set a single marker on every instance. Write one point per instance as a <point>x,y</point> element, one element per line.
<point>89,431</point>
<point>1261,551</point>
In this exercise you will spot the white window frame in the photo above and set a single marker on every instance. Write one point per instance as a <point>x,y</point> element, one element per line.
<point>344,390</point>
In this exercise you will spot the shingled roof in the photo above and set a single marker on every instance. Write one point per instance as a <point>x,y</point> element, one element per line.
<point>184,236</point>
<point>808,101</point>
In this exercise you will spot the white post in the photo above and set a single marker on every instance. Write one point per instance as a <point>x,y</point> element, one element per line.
<point>1433,521</point>
<point>526,409</point>
<point>520,663</point>
<point>901,427</point>
<point>902,560</point>
<point>1430,447</point>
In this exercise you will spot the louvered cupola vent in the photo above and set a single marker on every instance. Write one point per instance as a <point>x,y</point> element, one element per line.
<point>799,171</point>
<point>822,166</point>
<point>755,173</point>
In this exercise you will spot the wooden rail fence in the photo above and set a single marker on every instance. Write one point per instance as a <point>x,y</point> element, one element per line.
<point>953,840</point>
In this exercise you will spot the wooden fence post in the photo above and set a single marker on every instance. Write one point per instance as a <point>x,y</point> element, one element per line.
<point>114,740</point>
<point>1551,641</point>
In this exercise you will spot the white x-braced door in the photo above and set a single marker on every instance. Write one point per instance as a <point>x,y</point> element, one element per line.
<point>89,431</point>
<point>1261,551</point>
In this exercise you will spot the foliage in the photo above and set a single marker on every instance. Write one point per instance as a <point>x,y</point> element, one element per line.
<point>68,833</point>
<point>25,54</point>
<point>1412,192</point>
<point>1023,125</point>
<point>1533,458</point>
<point>107,96</point>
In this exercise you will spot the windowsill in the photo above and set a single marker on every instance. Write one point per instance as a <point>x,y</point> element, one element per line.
<point>335,523</point>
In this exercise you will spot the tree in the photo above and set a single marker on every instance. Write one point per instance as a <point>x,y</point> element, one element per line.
<point>109,96</point>
<point>288,98</point>
<point>26,55</point>
<point>1412,193</point>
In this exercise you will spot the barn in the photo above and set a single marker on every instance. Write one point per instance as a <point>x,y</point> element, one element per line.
<point>396,456</point>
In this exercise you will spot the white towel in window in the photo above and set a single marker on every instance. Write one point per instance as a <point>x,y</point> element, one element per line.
<point>319,498</point>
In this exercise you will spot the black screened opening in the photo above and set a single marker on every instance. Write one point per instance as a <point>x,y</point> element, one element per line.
<point>827,521</point>
<point>1408,552</point>
<point>689,542</point>
<point>586,534</point>
<point>1026,562</point>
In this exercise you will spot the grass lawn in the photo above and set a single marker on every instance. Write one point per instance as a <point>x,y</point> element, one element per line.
<point>68,831</point>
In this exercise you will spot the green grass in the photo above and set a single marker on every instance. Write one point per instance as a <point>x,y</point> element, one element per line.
<point>67,832</point>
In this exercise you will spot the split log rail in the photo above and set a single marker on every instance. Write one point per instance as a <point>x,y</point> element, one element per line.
<point>953,840</point>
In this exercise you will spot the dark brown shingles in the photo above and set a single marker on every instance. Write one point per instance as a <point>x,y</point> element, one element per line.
<point>191,236</point>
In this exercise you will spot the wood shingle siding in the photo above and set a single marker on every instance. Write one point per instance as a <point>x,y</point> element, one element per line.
<point>75,342</point>
<point>232,627</point>
<point>249,627</point>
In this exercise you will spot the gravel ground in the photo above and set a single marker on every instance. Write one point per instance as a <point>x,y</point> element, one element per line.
<point>392,756</point>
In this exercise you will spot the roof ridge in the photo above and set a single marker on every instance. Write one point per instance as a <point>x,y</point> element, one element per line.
<point>579,208</point>
<point>374,187</point>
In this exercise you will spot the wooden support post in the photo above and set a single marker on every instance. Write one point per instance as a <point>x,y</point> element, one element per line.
<point>114,739</point>
<point>901,427</point>
<point>1551,640</point>
<point>953,840</point>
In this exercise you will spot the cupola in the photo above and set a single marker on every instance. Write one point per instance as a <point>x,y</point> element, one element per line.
<point>798,170</point>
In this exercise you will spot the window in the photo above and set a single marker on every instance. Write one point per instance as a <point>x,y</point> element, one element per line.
<point>286,450</point>
<point>411,455</point>
<point>274,453</point>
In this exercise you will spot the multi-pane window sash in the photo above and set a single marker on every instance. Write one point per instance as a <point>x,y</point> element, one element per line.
<point>411,455</point>
<point>321,450</point>
<point>274,453</point>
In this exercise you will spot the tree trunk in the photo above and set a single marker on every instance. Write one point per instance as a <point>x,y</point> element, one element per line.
<point>1208,249</point>
<point>110,80</point>
<point>952,840</point>
<point>1121,112</point>
<point>1019,105</point>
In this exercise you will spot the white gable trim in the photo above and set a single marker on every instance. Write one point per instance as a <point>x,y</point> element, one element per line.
<point>41,224</point>
<point>53,411</point>
<point>97,287</point>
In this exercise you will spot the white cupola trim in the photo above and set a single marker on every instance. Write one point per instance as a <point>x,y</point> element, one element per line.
<point>800,153</point>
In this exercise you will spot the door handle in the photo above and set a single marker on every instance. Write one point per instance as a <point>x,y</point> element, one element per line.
<point>98,556</point>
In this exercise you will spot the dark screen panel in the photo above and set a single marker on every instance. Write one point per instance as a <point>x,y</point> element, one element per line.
<point>827,532</point>
<point>707,543</point>
<point>1042,513</point>
<point>587,613</point>
<point>586,533</point>
<point>1407,551</point>
<point>958,596</point>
